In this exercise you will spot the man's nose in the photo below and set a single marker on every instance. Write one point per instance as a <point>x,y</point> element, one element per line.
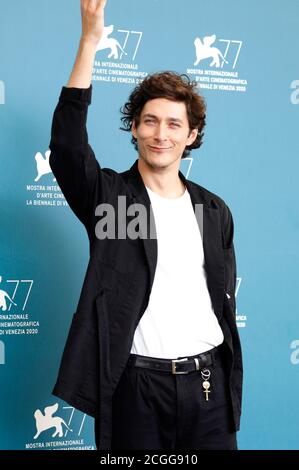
<point>161,132</point>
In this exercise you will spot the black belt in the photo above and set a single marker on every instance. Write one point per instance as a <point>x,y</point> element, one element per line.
<point>182,365</point>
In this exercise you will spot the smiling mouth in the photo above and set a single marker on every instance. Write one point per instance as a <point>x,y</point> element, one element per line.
<point>159,148</point>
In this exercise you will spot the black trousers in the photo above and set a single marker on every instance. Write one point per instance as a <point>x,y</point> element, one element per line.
<point>157,410</point>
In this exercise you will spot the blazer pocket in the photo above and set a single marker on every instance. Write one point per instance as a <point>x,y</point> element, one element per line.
<point>115,286</point>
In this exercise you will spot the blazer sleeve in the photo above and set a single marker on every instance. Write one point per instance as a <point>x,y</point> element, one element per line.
<point>72,160</point>
<point>229,253</point>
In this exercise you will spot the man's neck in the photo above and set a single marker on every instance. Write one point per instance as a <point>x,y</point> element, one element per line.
<point>165,181</point>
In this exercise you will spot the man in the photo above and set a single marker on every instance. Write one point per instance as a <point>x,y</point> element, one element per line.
<point>153,353</point>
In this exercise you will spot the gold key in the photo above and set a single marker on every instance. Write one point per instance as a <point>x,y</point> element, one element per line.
<point>206,385</point>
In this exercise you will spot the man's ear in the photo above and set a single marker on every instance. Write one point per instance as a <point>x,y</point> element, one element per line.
<point>134,133</point>
<point>192,136</point>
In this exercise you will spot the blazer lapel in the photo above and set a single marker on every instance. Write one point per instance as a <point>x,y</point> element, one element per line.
<point>139,195</point>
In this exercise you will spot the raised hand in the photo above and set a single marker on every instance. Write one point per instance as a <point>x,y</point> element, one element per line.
<point>92,13</point>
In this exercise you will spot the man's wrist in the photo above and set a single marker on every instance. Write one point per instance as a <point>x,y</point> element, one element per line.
<point>89,43</point>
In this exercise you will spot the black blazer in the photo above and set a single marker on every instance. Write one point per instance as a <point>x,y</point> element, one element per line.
<point>120,272</point>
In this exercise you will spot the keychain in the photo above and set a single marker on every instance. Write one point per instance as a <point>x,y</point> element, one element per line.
<point>206,374</point>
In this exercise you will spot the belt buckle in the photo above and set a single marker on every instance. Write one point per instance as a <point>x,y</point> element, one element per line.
<point>173,366</point>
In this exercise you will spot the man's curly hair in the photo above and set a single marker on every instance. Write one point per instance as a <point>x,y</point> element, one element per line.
<point>174,87</point>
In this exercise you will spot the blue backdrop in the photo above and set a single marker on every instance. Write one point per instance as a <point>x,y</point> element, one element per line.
<point>244,56</point>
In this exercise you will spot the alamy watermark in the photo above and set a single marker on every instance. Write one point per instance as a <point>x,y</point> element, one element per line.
<point>294,358</point>
<point>132,221</point>
<point>2,353</point>
<point>2,92</point>
<point>295,94</point>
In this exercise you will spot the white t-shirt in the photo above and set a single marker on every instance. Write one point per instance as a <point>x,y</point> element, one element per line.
<point>179,319</point>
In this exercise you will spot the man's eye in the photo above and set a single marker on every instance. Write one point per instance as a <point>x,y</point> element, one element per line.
<point>174,124</point>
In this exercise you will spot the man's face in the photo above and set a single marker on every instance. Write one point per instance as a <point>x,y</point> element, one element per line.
<point>163,132</point>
